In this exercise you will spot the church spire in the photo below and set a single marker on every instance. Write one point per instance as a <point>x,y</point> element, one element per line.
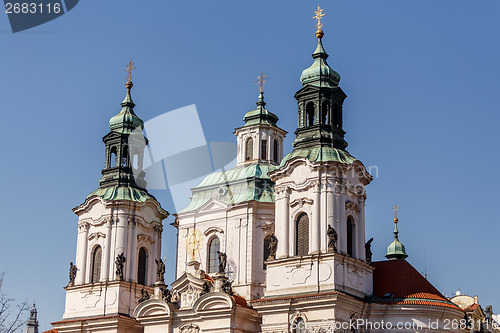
<point>319,135</point>
<point>125,144</point>
<point>260,115</point>
<point>32,322</point>
<point>396,250</point>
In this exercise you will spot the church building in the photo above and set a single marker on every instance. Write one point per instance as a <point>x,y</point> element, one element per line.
<point>275,244</point>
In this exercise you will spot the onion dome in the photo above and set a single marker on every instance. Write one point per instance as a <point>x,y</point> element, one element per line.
<point>320,74</point>
<point>396,250</point>
<point>260,115</point>
<point>126,121</point>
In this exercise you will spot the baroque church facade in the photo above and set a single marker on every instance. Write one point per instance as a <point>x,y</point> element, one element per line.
<point>275,244</point>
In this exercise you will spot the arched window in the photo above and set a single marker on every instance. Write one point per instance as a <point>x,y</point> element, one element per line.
<point>298,326</point>
<point>124,157</point>
<point>276,151</point>
<point>213,259</point>
<point>337,119</point>
<point>142,266</point>
<point>302,235</point>
<point>249,150</point>
<point>310,114</point>
<point>350,236</point>
<point>96,265</point>
<point>263,149</point>
<point>267,241</point>
<point>112,158</point>
<point>324,113</point>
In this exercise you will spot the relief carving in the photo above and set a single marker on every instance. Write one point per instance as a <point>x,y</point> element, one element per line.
<point>351,206</point>
<point>301,202</point>
<point>189,328</point>
<point>96,235</point>
<point>145,238</point>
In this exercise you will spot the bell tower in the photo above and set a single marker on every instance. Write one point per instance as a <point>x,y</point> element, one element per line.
<point>320,195</point>
<point>119,233</point>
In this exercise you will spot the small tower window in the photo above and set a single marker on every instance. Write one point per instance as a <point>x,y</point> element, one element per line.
<point>112,158</point>
<point>299,326</point>
<point>263,150</point>
<point>350,236</point>
<point>337,120</point>
<point>310,114</point>
<point>276,151</point>
<point>324,113</point>
<point>302,235</point>
<point>213,247</point>
<point>124,157</point>
<point>96,265</point>
<point>142,266</point>
<point>249,150</point>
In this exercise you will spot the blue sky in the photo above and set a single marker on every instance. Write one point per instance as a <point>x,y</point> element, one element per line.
<point>422,85</point>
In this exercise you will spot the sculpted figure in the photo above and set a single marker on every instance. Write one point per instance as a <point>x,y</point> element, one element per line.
<point>227,288</point>
<point>222,261</point>
<point>72,274</point>
<point>144,296</point>
<point>332,239</point>
<point>160,270</point>
<point>120,262</point>
<point>166,295</point>
<point>272,247</point>
<point>368,251</point>
<point>206,288</point>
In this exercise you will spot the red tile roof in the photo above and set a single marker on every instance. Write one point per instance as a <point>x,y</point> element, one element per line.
<point>471,307</point>
<point>208,278</point>
<point>51,331</point>
<point>396,281</point>
<point>240,300</point>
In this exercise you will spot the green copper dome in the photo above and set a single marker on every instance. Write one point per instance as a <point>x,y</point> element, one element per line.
<point>320,154</point>
<point>396,250</point>
<point>320,74</point>
<point>260,115</point>
<point>126,121</point>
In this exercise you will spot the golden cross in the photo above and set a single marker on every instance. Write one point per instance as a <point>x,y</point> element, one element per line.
<point>261,80</point>
<point>129,69</point>
<point>319,14</point>
<point>395,209</point>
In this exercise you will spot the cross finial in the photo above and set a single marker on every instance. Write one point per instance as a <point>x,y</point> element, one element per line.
<point>319,14</point>
<point>261,80</point>
<point>129,69</point>
<point>395,209</point>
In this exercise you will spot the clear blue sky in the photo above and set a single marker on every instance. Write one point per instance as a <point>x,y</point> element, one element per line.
<point>422,79</point>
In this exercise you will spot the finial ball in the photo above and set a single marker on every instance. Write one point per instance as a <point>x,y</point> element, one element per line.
<point>396,220</point>
<point>319,33</point>
<point>129,85</point>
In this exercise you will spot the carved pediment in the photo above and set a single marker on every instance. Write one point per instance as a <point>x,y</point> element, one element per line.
<point>145,238</point>
<point>96,235</point>
<point>187,289</point>
<point>301,202</point>
<point>212,205</point>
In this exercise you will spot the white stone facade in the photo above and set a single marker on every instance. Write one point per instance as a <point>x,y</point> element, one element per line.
<point>116,227</point>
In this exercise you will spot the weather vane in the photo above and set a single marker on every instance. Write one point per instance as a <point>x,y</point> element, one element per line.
<point>261,80</point>
<point>395,209</point>
<point>319,14</point>
<point>129,69</point>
